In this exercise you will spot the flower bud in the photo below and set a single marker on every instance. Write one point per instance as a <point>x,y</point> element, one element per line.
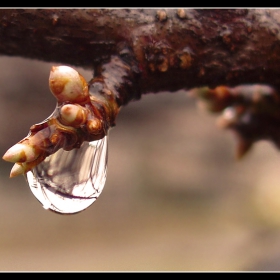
<point>73,115</point>
<point>67,84</point>
<point>94,126</point>
<point>20,153</point>
<point>17,169</point>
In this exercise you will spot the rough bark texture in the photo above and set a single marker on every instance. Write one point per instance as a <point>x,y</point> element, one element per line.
<point>173,48</point>
<point>137,51</point>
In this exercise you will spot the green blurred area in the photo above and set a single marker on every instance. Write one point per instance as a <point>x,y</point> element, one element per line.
<point>175,198</point>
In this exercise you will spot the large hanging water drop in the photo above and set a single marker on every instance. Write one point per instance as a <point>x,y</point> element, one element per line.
<point>68,182</point>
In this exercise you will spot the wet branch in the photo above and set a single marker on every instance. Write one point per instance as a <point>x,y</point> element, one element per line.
<point>174,49</point>
<point>139,51</point>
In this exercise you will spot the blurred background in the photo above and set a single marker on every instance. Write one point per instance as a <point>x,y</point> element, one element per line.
<point>175,197</point>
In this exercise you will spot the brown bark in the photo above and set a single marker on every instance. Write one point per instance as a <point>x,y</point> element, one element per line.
<point>137,51</point>
<point>173,49</point>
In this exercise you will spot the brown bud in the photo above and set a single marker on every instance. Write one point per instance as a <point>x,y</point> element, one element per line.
<point>94,126</point>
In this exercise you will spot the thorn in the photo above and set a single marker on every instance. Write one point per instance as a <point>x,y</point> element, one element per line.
<point>243,146</point>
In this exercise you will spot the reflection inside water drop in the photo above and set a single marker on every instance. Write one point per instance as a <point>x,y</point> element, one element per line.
<point>68,182</point>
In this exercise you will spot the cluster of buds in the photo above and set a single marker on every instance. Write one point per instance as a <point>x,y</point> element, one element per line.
<point>74,120</point>
<point>252,112</point>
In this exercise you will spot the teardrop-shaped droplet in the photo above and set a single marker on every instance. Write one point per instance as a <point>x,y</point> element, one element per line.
<point>68,182</point>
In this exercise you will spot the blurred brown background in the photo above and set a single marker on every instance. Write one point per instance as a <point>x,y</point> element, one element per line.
<point>175,198</point>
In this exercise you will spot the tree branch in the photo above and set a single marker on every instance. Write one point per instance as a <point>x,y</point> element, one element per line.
<point>174,48</point>
<point>138,51</point>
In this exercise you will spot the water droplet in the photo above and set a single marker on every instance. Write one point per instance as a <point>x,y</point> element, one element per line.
<point>68,182</point>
